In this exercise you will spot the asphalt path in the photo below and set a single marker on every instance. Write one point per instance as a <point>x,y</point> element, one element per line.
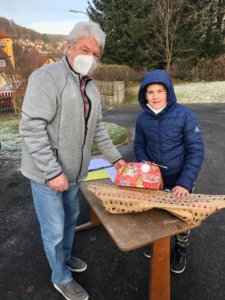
<point>111,274</point>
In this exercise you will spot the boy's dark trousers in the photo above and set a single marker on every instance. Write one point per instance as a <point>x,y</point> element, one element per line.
<point>182,239</point>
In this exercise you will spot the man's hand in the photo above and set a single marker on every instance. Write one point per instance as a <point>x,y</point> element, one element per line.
<point>119,164</point>
<point>59,183</point>
<point>180,192</point>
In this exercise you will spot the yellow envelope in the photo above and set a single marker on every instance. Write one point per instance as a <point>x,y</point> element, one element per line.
<point>96,175</point>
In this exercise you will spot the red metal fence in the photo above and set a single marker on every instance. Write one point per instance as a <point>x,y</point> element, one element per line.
<point>6,102</point>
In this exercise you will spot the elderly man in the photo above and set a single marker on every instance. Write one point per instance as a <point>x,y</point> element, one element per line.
<point>61,119</point>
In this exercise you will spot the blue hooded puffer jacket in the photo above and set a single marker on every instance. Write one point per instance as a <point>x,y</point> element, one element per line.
<point>171,138</point>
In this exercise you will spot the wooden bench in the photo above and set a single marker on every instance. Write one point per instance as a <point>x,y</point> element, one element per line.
<point>132,231</point>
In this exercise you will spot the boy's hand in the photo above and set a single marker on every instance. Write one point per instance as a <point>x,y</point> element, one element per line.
<point>180,192</point>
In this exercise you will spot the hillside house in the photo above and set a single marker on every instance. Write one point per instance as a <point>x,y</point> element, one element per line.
<point>39,44</point>
<point>7,66</point>
<point>50,60</point>
<point>6,45</point>
<point>25,43</point>
<point>7,62</point>
<point>44,60</point>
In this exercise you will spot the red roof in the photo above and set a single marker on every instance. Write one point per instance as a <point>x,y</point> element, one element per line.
<point>3,34</point>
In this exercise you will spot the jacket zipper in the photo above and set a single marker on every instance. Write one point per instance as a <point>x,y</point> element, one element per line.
<point>159,141</point>
<point>85,131</point>
<point>55,151</point>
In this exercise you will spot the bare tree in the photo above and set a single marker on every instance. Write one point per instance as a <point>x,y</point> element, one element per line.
<point>26,62</point>
<point>166,20</point>
<point>169,16</point>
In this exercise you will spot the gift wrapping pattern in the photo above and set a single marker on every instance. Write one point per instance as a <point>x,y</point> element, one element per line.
<point>143,175</point>
<point>120,200</point>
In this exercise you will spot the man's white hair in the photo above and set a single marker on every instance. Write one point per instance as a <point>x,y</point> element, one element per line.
<point>87,29</point>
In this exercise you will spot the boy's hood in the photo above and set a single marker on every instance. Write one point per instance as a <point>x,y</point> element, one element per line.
<point>156,76</point>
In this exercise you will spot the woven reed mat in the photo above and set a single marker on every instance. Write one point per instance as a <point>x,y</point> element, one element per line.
<point>120,200</point>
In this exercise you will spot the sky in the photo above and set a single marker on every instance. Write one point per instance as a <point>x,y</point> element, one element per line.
<point>45,16</point>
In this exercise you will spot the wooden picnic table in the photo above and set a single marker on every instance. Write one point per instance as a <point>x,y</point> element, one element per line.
<point>135,230</point>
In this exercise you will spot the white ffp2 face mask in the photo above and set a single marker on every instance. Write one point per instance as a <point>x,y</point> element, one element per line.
<point>84,64</point>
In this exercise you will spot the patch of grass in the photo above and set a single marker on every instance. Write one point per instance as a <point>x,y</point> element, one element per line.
<point>118,135</point>
<point>191,92</point>
<point>10,137</point>
<point>11,141</point>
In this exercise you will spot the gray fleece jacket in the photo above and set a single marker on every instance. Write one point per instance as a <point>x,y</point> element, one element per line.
<point>56,135</point>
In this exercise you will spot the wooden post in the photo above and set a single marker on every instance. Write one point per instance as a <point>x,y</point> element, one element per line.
<point>160,270</point>
<point>93,222</point>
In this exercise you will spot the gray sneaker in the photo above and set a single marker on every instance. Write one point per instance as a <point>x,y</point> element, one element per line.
<point>76,264</point>
<point>72,291</point>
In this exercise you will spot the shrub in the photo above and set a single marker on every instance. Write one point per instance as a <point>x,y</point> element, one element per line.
<point>117,73</point>
<point>183,68</point>
<point>210,69</point>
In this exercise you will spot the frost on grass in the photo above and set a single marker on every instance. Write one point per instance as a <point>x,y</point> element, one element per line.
<point>201,92</point>
<point>196,92</point>
<point>10,138</point>
<point>118,135</point>
<point>11,141</point>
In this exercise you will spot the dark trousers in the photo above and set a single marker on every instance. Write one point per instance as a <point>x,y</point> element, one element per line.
<point>182,239</point>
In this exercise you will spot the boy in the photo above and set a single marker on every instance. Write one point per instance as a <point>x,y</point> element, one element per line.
<point>168,134</point>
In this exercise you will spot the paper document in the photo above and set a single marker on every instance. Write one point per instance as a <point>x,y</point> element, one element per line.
<point>96,175</point>
<point>98,163</point>
<point>100,169</point>
<point>112,173</point>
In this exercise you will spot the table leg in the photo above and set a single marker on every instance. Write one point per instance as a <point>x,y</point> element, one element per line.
<point>159,281</point>
<point>93,222</point>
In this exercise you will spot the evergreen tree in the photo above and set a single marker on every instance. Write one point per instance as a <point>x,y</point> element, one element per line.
<point>201,36</point>
<point>160,33</point>
<point>211,42</point>
<point>127,25</point>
